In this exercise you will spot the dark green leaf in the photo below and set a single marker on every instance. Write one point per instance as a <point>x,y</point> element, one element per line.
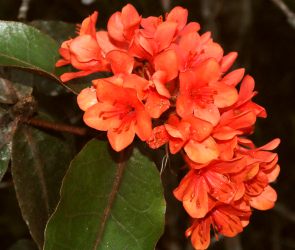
<point>39,162</point>
<point>42,84</point>
<point>108,204</point>
<point>26,47</point>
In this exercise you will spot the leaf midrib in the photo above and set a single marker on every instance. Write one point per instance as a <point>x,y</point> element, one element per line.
<point>31,66</point>
<point>112,196</point>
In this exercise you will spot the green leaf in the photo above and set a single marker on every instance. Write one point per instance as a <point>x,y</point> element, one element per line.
<point>26,47</point>
<point>108,204</point>
<point>40,83</point>
<point>39,162</point>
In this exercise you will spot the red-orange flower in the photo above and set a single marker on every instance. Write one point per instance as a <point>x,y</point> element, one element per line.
<point>205,183</point>
<point>201,94</point>
<point>120,112</point>
<point>227,220</point>
<point>261,169</point>
<point>171,85</point>
<point>193,135</point>
<point>122,25</point>
<point>83,52</point>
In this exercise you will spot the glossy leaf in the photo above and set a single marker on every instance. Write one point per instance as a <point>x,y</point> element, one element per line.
<point>40,83</point>
<point>39,162</point>
<point>107,203</point>
<point>26,47</point>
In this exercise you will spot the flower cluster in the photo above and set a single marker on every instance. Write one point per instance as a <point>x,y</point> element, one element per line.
<point>170,85</point>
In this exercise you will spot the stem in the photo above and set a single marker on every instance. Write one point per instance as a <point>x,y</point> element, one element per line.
<point>56,126</point>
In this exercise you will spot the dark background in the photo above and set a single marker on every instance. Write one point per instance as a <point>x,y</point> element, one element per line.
<point>265,40</point>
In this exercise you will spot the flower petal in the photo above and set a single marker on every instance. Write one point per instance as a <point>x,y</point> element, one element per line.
<point>201,235</point>
<point>156,105</point>
<point>234,77</point>
<point>226,95</point>
<point>158,138</point>
<point>202,152</point>
<point>228,60</point>
<point>227,223</point>
<point>184,106</point>
<point>104,42</point>
<point>88,25</point>
<point>115,27</point>
<point>121,140</point>
<point>164,35</point>
<point>143,126</point>
<point>71,75</point>
<point>273,174</point>
<point>85,48</point>
<point>220,186</point>
<point>207,72</point>
<point>195,201</point>
<point>265,200</point>
<point>199,129</point>
<point>178,15</point>
<point>209,113</point>
<point>87,98</point>
<point>130,17</point>
<point>120,61</point>
<point>93,117</point>
<point>171,68</point>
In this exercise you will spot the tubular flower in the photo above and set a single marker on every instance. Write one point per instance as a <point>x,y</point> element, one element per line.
<point>118,111</point>
<point>193,134</point>
<point>201,94</point>
<point>83,52</point>
<point>228,220</point>
<point>170,85</point>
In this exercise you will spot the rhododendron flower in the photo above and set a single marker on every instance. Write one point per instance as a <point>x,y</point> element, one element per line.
<point>122,25</point>
<point>83,52</point>
<point>171,85</point>
<point>209,181</point>
<point>118,111</point>
<point>193,135</point>
<point>201,94</point>
<point>227,220</point>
